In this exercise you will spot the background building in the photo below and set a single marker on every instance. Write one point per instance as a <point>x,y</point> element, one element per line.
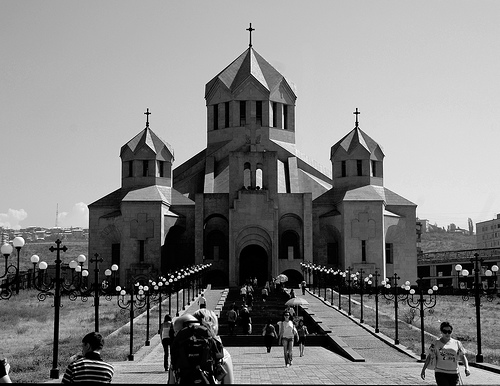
<point>488,233</point>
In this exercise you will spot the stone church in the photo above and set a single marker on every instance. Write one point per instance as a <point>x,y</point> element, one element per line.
<point>250,203</point>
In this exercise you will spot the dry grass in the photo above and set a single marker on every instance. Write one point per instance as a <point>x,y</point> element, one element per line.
<point>461,314</point>
<point>28,330</point>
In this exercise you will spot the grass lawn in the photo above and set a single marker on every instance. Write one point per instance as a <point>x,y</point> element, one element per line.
<point>461,314</point>
<point>27,332</point>
<point>28,328</point>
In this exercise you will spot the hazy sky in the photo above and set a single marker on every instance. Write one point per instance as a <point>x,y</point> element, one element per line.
<point>77,76</point>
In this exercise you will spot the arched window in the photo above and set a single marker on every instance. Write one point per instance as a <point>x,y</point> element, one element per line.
<point>216,246</point>
<point>259,183</point>
<point>289,246</point>
<point>247,177</point>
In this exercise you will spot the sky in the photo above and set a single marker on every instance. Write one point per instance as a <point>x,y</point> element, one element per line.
<point>77,76</point>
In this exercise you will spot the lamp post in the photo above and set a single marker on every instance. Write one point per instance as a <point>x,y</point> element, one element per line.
<point>105,288</point>
<point>158,288</point>
<point>361,283</point>
<point>422,303</point>
<point>188,281</point>
<point>96,259</point>
<point>396,298</point>
<point>376,287</point>
<point>183,286</point>
<point>147,293</point>
<point>342,281</point>
<point>45,289</point>
<point>135,301</point>
<point>194,272</point>
<point>176,281</point>
<point>170,284</point>
<point>349,280</point>
<point>18,243</point>
<point>478,291</point>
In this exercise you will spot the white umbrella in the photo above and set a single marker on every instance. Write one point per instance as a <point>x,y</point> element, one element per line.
<point>296,302</point>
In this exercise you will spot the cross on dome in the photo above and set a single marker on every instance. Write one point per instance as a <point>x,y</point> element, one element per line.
<point>356,113</point>
<point>147,113</point>
<point>250,29</point>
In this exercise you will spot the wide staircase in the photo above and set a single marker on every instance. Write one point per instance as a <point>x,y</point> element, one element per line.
<point>260,313</point>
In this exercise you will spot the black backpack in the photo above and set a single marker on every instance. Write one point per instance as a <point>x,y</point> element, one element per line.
<point>197,356</point>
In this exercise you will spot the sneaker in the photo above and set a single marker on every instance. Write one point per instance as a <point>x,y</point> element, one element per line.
<point>287,365</point>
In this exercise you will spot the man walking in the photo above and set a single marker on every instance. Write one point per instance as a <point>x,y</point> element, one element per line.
<point>202,301</point>
<point>89,367</point>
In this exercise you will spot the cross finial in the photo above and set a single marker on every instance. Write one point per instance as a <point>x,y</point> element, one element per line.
<point>147,113</point>
<point>356,113</point>
<point>250,29</point>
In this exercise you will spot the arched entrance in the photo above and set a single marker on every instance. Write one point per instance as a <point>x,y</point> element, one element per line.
<point>254,263</point>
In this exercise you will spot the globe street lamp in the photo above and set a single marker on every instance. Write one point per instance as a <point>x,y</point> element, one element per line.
<point>18,243</point>
<point>361,283</point>
<point>422,303</point>
<point>137,300</point>
<point>376,275</point>
<point>478,292</point>
<point>349,281</point>
<point>44,288</point>
<point>342,276</point>
<point>177,281</point>
<point>6,250</point>
<point>397,298</point>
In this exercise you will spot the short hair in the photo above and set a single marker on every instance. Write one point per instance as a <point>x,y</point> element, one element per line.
<point>444,325</point>
<point>95,340</point>
<point>208,318</point>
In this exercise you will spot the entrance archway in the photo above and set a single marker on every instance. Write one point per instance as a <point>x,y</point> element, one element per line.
<point>254,263</point>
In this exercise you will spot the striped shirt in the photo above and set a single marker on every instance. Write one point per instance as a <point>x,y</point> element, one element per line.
<point>91,368</point>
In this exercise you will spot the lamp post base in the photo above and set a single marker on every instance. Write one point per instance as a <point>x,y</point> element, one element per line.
<point>130,357</point>
<point>54,373</point>
<point>479,358</point>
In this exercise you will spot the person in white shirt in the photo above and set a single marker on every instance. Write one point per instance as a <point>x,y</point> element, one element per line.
<point>287,333</point>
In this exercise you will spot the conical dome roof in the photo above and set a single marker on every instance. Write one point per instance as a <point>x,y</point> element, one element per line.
<point>249,63</point>
<point>147,138</point>
<point>356,137</point>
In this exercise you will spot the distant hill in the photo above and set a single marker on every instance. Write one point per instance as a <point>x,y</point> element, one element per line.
<point>431,242</point>
<point>446,241</point>
<point>41,248</point>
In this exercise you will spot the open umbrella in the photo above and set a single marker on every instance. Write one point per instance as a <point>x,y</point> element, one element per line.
<point>281,278</point>
<point>296,302</point>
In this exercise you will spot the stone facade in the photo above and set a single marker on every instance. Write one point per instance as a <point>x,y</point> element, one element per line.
<point>250,203</point>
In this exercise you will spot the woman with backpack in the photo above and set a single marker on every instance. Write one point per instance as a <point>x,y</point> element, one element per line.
<point>269,334</point>
<point>209,319</point>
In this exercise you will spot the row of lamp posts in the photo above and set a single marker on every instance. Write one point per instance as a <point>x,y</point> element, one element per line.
<point>145,290</point>
<point>77,287</point>
<point>363,282</point>
<point>415,298</point>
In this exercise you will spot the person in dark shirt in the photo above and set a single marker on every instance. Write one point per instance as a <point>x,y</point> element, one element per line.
<point>89,367</point>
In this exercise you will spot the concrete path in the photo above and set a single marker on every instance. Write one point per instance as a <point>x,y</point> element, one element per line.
<point>384,363</point>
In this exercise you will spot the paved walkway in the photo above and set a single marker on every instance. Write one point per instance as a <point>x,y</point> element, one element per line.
<point>385,364</point>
